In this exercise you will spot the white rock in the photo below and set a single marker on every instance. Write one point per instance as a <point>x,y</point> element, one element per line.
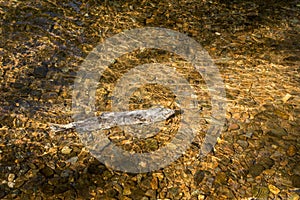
<point>11,184</point>
<point>11,177</point>
<point>66,150</point>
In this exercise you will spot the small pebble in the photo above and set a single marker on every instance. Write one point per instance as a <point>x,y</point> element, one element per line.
<point>286,98</point>
<point>296,181</point>
<point>234,127</point>
<point>11,177</point>
<point>40,71</point>
<point>72,160</point>
<point>11,184</point>
<point>256,170</point>
<point>126,190</point>
<point>66,150</point>
<point>291,151</point>
<point>294,196</point>
<point>273,189</point>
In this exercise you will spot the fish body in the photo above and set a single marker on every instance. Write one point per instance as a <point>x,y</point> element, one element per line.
<point>108,120</point>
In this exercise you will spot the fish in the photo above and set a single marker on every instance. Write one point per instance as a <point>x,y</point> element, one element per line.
<point>108,120</point>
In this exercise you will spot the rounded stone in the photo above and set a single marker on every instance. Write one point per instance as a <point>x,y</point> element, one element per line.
<point>233,127</point>
<point>66,150</point>
<point>40,72</point>
<point>291,151</point>
<point>273,189</point>
<point>256,170</point>
<point>296,181</point>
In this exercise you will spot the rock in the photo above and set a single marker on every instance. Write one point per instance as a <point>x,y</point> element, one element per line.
<point>286,98</point>
<point>292,58</point>
<point>151,144</point>
<point>137,194</point>
<point>269,172</point>
<point>2,193</point>
<point>154,183</point>
<point>273,189</point>
<point>233,127</point>
<point>145,184</point>
<point>40,72</point>
<point>256,170</point>
<point>72,160</point>
<point>293,196</point>
<point>60,189</point>
<point>96,168</point>
<point>11,177</point>
<point>19,182</point>
<point>50,96</point>
<point>267,162</point>
<point>278,132</point>
<point>32,166</point>
<point>198,177</point>
<point>36,93</point>
<point>291,151</point>
<point>173,192</point>
<point>261,192</point>
<point>159,175</point>
<point>54,181</point>
<point>296,181</point>
<point>10,184</point>
<point>242,143</point>
<point>221,178</point>
<point>66,173</point>
<point>47,171</point>
<point>47,189</point>
<point>126,190</point>
<point>66,150</point>
<point>296,169</point>
<point>151,193</point>
<point>281,114</point>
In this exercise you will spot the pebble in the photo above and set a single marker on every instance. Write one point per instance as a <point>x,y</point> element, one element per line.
<point>273,189</point>
<point>296,181</point>
<point>66,173</point>
<point>294,196</point>
<point>10,184</point>
<point>242,143</point>
<point>154,183</point>
<point>291,151</point>
<point>198,177</point>
<point>201,196</point>
<point>286,98</point>
<point>261,192</point>
<point>145,183</point>
<point>233,127</point>
<point>256,170</point>
<point>73,159</point>
<point>296,169</point>
<point>151,193</point>
<point>278,132</point>
<point>47,171</point>
<point>126,190</point>
<point>159,175</point>
<point>267,162</point>
<point>281,114</point>
<point>40,72</point>
<point>11,177</point>
<point>66,150</point>
<point>221,178</point>
<point>19,182</point>
<point>50,96</point>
